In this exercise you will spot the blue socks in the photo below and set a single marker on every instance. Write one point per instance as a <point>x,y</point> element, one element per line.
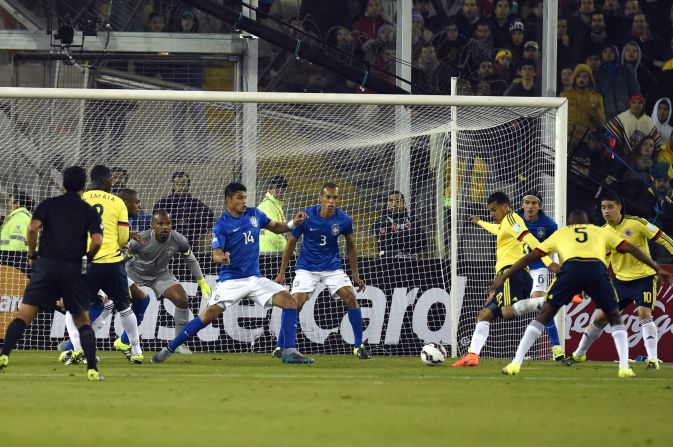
<point>192,328</point>
<point>288,328</point>
<point>139,309</point>
<point>355,317</point>
<point>552,332</point>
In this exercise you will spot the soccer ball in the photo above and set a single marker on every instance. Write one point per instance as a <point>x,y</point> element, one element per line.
<point>433,354</point>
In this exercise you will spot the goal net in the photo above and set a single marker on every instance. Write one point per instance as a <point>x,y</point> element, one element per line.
<point>426,268</point>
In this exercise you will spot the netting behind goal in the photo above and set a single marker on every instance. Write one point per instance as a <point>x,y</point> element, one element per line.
<point>368,150</point>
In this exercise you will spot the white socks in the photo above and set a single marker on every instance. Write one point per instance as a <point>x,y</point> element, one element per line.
<point>102,318</point>
<point>620,339</point>
<point>591,334</point>
<point>533,331</point>
<point>130,325</point>
<point>522,307</point>
<point>650,337</point>
<point>479,337</point>
<point>73,332</point>
<point>181,317</point>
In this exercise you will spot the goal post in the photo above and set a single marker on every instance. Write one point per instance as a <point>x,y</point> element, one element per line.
<point>426,269</point>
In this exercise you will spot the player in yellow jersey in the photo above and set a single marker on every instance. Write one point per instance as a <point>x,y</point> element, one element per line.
<point>581,248</point>
<point>634,282</point>
<point>511,299</point>
<point>107,272</point>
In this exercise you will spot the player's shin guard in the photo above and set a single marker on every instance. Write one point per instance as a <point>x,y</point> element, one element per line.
<point>479,337</point>
<point>138,309</point>
<point>130,325</point>
<point>591,334</point>
<point>13,334</point>
<point>181,317</point>
<point>288,325</point>
<point>190,330</point>
<point>552,332</point>
<point>533,331</point>
<point>355,318</point>
<point>620,338</point>
<point>88,339</point>
<point>650,337</point>
<point>73,333</point>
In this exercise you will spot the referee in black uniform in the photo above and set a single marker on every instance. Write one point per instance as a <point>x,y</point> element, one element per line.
<point>58,267</point>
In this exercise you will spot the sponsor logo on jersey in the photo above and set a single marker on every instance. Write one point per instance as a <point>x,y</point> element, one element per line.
<point>335,229</point>
<point>253,221</point>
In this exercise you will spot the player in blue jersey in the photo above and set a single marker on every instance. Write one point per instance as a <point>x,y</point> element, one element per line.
<point>236,247</point>
<point>319,261</point>
<point>541,226</point>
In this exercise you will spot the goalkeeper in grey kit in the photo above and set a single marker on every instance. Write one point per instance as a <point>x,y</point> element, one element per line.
<point>148,266</point>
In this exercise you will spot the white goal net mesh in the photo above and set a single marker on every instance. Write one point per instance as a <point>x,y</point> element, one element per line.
<point>404,256</point>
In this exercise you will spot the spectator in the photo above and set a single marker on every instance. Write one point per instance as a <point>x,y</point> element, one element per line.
<point>367,26</point>
<point>516,38</point>
<point>579,22</point>
<point>479,48</point>
<point>665,29</point>
<point>531,50</point>
<point>467,18</point>
<point>190,216</point>
<point>597,37</point>
<point>341,38</point>
<point>430,76</point>
<point>565,53</point>
<point>665,154</point>
<point>417,35</point>
<point>616,24</point>
<point>449,45</point>
<point>15,225</point>
<point>499,23</point>
<point>614,82</point>
<point>623,127</point>
<point>661,116</point>
<point>594,61</point>
<point>503,66</point>
<point>567,79</point>
<point>156,22</point>
<point>272,206</point>
<point>641,34</point>
<point>120,179</point>
<point>634,181</point>
<point>585,105</point>
<point>488,83</point>
<point>527,85</point>
<point>534,21</point>
<point>631,58</point>
<point>373,49</point>
<point>285,10</point>
<point>434,20</point>
<point>396,231</point>
<point>330,13</point>
<point>659,202</point>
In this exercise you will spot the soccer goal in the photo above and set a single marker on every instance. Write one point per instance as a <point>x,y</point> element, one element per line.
<point>427,269</point>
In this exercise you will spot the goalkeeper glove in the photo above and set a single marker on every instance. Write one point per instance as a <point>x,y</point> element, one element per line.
<point>205,288</point>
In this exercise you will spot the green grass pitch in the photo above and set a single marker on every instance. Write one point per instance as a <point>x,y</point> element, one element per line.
<point>253,400</point>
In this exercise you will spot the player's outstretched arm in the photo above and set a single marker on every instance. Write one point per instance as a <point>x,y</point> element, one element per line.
<point>518,265</point>
<point>282,227</point>
<point>352,253</point>
<point>289,250</point>
<point>637,253</point>
<point>490,227</point>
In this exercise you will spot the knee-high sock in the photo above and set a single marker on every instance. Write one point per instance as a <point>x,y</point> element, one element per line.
<point>88,338</point>
<point>95,310</point>
<point>479,337</point>
<point>620,338</point>
<point>280,342</point>
<point>13,334</point>
<point>139,309</point>
<point>130,325</point>
<point>355,318</point>
<point>99,322</point>
<point>591,334</point>
<point>528,305</point>
<point>73,332</point>
<point>552,332</point>
<point>650,337</point>
<point>181,317</point>
<point>533,331</point>
<point>190,330</point>
<point>288,325</point>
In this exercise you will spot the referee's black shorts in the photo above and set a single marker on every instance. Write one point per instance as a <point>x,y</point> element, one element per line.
<point>53,279</point>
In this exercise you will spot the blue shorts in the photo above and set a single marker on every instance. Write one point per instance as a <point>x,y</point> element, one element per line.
<point>641,291</point>
<point>588,275</point>
<point>516,287</point>
<point>110,278</point>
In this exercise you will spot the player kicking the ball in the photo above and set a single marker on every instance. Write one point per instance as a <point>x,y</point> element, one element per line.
<point>236,246</point>
<point>319,261</point>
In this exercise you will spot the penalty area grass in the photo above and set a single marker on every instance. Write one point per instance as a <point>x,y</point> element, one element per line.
<point>254,400</point>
